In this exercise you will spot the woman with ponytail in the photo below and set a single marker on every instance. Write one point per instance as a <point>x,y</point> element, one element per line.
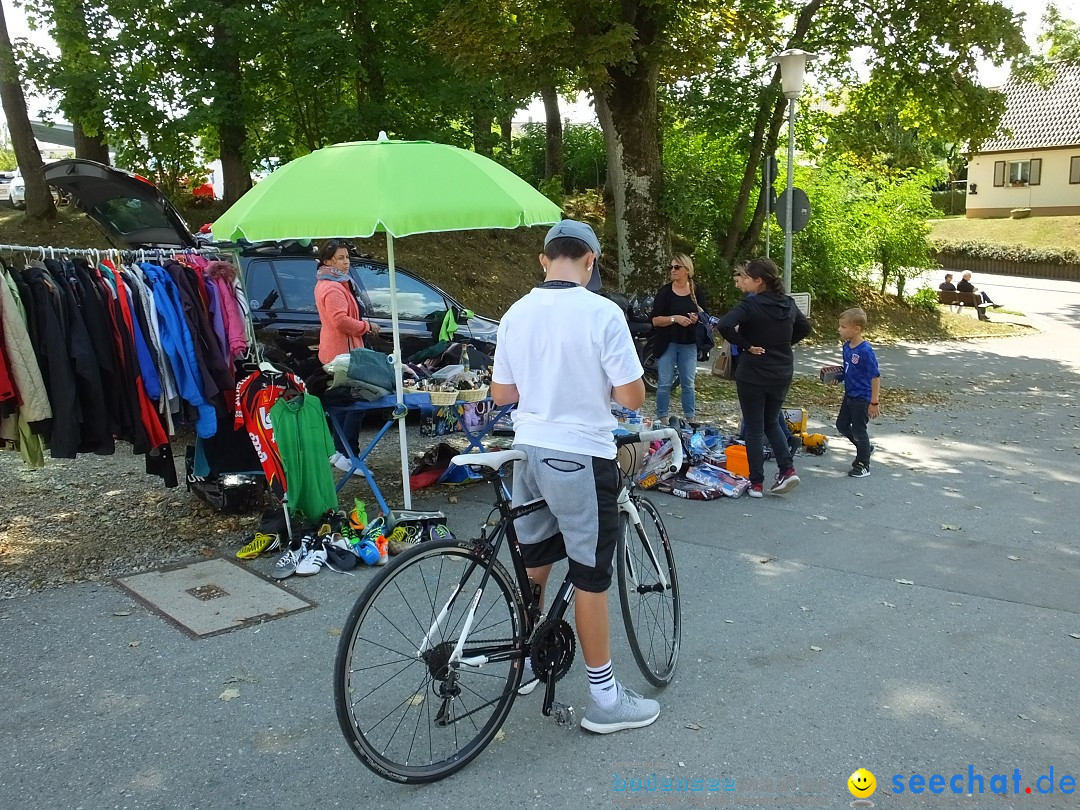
<point>764,325</point>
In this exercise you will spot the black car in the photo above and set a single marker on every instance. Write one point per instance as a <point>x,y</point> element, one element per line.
<point>279,278</point>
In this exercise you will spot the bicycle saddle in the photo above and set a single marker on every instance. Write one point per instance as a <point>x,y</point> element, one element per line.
<point>493,461</point>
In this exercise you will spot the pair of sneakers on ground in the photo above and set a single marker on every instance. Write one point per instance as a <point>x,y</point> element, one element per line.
<point>312,554</point>
<point>629,709</point>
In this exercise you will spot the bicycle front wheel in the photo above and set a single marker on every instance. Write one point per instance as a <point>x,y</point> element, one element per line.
<point>649,592</point>
<point>410,714</point>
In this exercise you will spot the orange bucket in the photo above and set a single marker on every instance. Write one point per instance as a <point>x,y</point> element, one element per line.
<point>736,460</point>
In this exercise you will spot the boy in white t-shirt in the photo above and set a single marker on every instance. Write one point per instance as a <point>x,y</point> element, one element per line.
<point>563,354</point>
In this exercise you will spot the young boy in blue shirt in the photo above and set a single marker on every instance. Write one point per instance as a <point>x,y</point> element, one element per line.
<point>862,388</point>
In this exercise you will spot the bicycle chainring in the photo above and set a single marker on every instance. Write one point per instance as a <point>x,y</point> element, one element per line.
<point>552,649</point>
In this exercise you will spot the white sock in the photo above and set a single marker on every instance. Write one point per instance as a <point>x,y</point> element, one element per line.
<point>528,674</point>
<point>602,685</point>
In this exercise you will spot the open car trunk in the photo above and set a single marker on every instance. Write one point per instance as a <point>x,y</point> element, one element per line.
<point>130,209</point>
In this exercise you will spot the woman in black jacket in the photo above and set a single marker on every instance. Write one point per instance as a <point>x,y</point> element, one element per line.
<point>764,325</point>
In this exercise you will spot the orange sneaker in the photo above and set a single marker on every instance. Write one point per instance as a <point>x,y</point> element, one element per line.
<point>382,545</point>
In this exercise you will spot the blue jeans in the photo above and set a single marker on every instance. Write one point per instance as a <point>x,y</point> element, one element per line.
<point>682,356</point>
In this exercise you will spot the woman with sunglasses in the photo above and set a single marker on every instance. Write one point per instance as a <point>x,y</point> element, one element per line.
<point>676,310</point>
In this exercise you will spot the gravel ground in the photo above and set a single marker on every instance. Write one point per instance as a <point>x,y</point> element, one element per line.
<point>99,517</point>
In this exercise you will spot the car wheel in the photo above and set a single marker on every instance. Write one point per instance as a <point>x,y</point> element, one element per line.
<point>652,372</point>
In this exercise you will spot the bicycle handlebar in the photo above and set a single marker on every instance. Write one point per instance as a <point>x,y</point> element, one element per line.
<point>657,435</point>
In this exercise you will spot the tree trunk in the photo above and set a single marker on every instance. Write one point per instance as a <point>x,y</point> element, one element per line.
<point>553,143</point>
<point>80,71</point>
<point>39,203</point>
<point>229,112</point>
<point>89,147</point>
<point>769,117</point>
<point>482,134</point>
<point>506,130</point>
<point>629,118</point>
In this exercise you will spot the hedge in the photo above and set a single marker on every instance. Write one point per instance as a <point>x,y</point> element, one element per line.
<point>1009,253</point>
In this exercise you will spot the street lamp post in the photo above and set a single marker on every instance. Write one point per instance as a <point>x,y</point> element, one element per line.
<point>792,64</point>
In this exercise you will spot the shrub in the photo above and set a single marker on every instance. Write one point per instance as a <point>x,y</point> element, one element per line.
<point>1009,253</point>
<point>953,201</point>
<point>925,298</point>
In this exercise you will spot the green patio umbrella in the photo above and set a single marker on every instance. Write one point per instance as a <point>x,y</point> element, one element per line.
<point>400,188</point>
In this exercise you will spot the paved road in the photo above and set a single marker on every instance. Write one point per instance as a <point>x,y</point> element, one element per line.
<point>972,665</point>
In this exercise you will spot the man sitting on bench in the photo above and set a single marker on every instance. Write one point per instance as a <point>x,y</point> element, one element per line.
<point>947,285</point>
<point>965,286</point>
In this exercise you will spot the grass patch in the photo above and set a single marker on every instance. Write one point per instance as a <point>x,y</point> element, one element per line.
<point>71,229</point>
<point>892,321</point>
<point>1035,232</point>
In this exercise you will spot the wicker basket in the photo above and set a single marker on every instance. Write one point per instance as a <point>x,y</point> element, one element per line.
<point>475,395</point>
<point>441,398</point>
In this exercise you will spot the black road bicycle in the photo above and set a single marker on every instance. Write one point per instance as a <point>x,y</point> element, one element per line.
<point>432,653</point>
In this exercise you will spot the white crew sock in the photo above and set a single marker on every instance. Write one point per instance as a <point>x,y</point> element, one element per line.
<point>602,685</point>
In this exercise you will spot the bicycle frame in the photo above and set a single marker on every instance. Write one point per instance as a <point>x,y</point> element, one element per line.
<point>530,592</point>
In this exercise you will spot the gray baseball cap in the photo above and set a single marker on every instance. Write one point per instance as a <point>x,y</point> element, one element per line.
<point>583,232</point>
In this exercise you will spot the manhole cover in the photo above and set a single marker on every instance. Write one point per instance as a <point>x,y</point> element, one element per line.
<point>212,596</point>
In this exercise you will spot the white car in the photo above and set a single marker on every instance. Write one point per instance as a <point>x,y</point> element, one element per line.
<point>16,191</point>
<point>5,182</point>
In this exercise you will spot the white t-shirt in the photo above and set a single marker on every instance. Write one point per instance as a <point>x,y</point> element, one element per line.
<point>565,349</point>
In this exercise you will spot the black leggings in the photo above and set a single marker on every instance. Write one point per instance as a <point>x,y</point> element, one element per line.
<point>761,406</point>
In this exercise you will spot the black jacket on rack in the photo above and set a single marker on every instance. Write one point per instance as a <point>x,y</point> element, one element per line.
<point>45,303</point>
<point>97,325</point>
<point>94,433</point>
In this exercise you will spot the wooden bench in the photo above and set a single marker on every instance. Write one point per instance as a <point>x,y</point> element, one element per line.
<point>959,300</point>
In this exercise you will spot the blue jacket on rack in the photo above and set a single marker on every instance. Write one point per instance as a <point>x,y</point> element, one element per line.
<point>179,347</point>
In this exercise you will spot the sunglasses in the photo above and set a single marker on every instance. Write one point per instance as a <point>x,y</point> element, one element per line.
<point>678,267</point>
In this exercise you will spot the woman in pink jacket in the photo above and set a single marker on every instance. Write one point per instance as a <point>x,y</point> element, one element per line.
<point>339,308</point>
<point>342,327</point>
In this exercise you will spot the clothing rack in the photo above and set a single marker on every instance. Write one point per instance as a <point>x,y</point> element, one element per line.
<point>141,254</point>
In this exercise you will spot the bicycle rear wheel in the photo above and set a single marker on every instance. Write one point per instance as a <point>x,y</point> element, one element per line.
<point>649,593</point>
<point>407,713</point>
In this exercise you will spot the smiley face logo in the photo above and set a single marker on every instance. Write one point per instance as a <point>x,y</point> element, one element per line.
<point>862,784</point>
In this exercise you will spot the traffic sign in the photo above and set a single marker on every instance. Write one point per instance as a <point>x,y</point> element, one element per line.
<point>800,209</point>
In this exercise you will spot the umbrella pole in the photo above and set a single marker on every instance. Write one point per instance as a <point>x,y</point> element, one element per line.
<point>399,387</point>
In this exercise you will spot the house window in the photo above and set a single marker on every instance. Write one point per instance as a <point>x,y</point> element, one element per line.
<point>1025,172</point>
<point>1074,170</point>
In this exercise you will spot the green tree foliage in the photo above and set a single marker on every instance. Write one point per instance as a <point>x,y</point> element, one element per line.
<point>895,227</point>
<point>584,159</point>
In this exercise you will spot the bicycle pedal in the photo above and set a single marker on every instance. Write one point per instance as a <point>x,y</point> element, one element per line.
<point>563,715</point>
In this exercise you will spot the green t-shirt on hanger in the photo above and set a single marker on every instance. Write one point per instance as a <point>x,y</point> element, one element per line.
<point>304,444</point>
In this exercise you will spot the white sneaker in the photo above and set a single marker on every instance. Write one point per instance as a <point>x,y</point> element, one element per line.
<point>341,461</point>
<point>529,681</point>
<point>631,710</point>
<point>312,562</point>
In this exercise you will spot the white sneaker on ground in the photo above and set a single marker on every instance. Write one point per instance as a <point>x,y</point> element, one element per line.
<point>631,710</point>
<point>312,563</point>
